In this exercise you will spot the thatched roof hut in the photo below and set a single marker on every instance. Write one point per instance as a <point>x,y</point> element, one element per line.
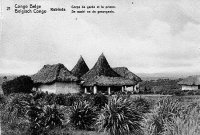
<point>190,83</point>
<point>108,81</point>
<point>103,75</point>
<point>80,68</point>
<point>124,72</point>
<point>191,80</point>
<point>101,67</point>
<point>53,73</point>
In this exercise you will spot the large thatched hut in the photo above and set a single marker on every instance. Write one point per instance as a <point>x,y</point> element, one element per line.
<point>124,72</point>
<point>103,78</point>
<point>80,68</point>
<point>56,79</point>
<point>190,83</point>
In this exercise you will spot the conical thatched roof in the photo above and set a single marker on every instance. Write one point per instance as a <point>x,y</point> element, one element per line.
<point>108,81</point>
<point>124,72</point>
<point>80,68</point>
<point>191,80</point>
<point>53,73</point>
<point>101,67</point>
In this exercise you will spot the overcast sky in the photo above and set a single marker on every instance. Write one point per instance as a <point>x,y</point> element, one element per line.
<point>147,36</point>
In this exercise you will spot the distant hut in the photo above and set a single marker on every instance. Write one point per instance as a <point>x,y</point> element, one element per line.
<point>190,83</point>
<point>103,78</point>
<point>124,72</point>
<point>80,68</point>
<point>56,79</point>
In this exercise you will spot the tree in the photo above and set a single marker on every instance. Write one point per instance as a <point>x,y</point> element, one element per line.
<point>20,84</point>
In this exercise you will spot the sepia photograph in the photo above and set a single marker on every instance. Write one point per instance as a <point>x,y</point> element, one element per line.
<point>99,67</point>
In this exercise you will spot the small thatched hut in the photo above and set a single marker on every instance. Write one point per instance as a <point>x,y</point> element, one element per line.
<point>103,78</point>
<point>80,68</point>
<point>124,72</point>
<point>56,79</point>
<point>190,83</point>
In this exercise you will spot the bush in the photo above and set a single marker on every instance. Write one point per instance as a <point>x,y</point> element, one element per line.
<point>179,93</point>
<point>83,115</point>
<point>164,112</point>
<point>61,99</point>
<point>71,99</point>
<point>50,98</point>
<point>197,92</point>
<point>119,117</point>
<point>43,118</point>
<point>98,100</point>
<point>39,95</point>
<point>17,105</point>
<point>20,84</point>
<point>2,101</point>
<point>13,118</point>
<point>142,105</point>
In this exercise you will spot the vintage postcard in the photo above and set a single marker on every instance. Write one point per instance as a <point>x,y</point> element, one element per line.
<point>95,67</point>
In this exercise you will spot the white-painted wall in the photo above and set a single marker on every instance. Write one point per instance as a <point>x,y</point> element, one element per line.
<point>59,87</point>
<point>129,88</point>
<point>49,88</point>
<point>67,88</point>
<point>185,87</point>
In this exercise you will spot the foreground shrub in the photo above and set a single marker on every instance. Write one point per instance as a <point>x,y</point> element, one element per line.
<point>61,99</point>
<point>185,124</point>
<point>142,105</point>
<point>119,117</point>
<point>83,115</point>
<point>2,101</point>
<point>71,99</point>
<point>13,119</point>
<point>98,100</point>
<point>50,98</point>
<point>17,105</point>
<point>164,112</point>
<point>39,95</point>
<point>43,118</point>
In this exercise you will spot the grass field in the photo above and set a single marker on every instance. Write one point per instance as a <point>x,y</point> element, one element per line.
<point>177,114</point>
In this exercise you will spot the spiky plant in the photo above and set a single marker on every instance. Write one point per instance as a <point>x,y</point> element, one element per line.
<point>164,112</point>
<point>187,125</point>
<point>13,118</point>
<point>83,115</point>
<point>120,117</point>
<point>17,105</point>
<point>60,99</point>
<point>98,100</point>
<point>43,117</point>
<point>142,104</point>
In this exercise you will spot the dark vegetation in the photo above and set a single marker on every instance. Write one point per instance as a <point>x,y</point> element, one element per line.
<point>20,84</point>
<point>2,79</point>
<point>39,113</point>
<point>69,114</point>
<point>160,86</point>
